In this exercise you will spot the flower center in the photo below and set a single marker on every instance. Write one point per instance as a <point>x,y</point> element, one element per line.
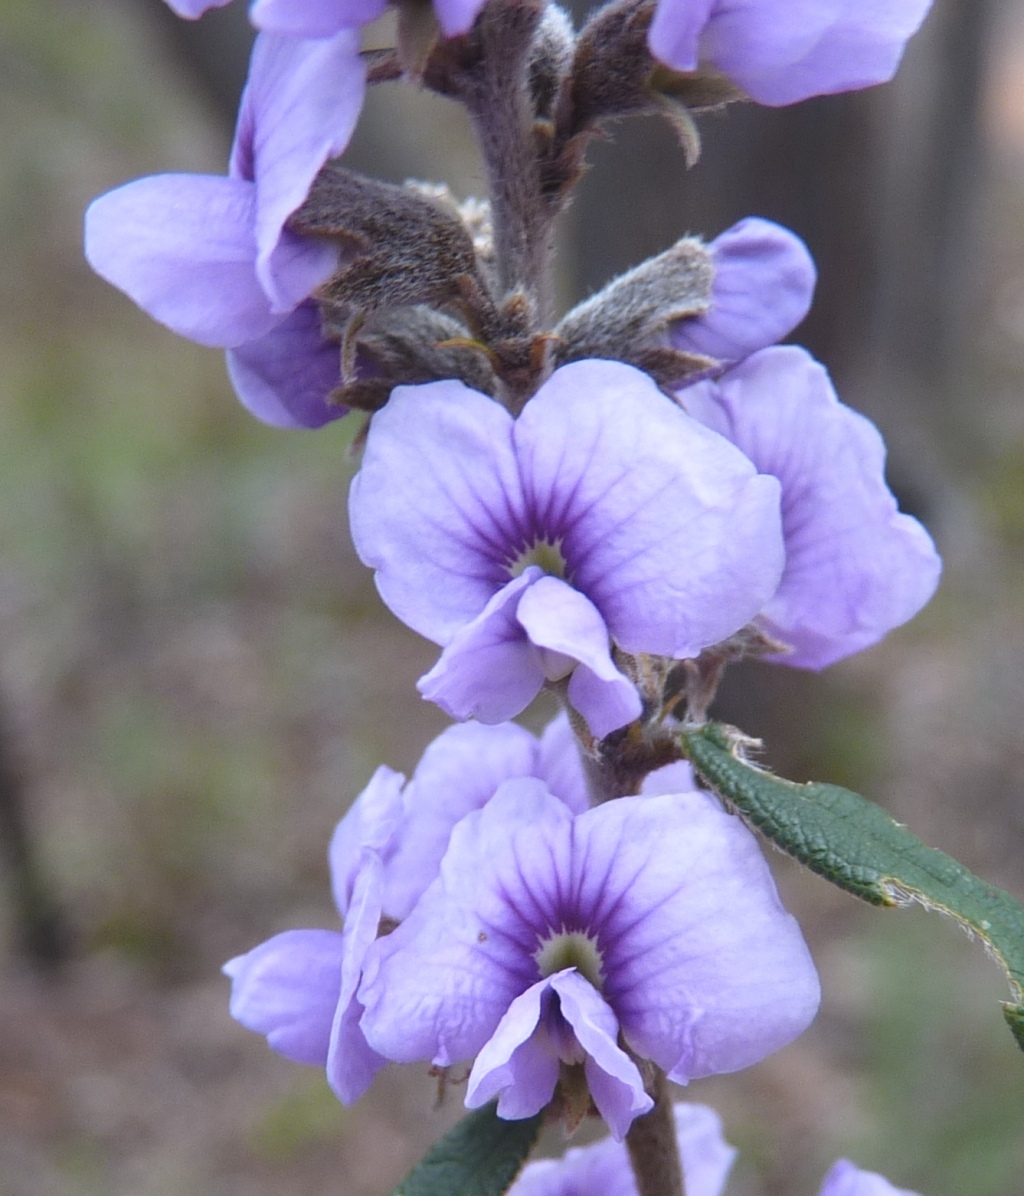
<point>571,949</point>
<point>547,554</point>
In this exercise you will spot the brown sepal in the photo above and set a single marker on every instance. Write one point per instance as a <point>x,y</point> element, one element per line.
<point>419,345</point>
<point>671,368</point>
<point>400,248</point>
<point>630,318</point>
<point>612,65</point>
<point>703,90</point>
<point>615,74</point>
<point>364,394</point>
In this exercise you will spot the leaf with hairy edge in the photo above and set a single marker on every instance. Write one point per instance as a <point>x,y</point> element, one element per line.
<point>480,1156</point>
<point>857,846</point>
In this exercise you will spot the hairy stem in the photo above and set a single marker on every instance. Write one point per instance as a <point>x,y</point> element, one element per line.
<point>503,115</point>
<point>652,1146</point>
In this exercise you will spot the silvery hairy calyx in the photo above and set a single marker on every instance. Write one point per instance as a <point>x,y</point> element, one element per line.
<point>605,506</point>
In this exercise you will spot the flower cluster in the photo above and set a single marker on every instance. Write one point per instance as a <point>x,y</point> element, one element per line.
<point>213,259</point>
<point>607,508</point>
<point>777,51</point>
<point>531,933</point>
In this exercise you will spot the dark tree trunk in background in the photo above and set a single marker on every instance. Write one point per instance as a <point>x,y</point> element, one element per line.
<point>931,180</point>
<point>41,933</point>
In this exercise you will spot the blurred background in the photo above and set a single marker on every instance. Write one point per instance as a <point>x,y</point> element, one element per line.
<point>196,676</point>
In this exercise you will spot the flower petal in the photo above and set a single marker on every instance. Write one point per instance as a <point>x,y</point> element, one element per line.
<point>606,702</point>
<point>560,766</point>
<point>182,247</point>
<point>783,51</point>
<point>351,1061</point>
<point>191,9</point>
<point>855,567</point>
<point>284,378</point>
<point>604,1166</point>
<point>559,619</point>
<point>675,32</point>
<point>489,671</point>
<point>856,44</point>
<point>515,1064</point>
<point>458,773</point>
<point>762,288</point>
<point>663,526</point>
<point>371,822</point>
<point>299,108</point>
<point>844,1179</point>
<point>704,969</point>
<point>362,920</point>
<point>287,988</point>
<point>613,1078</point>
<point>672,778</point>
<point>436,508</point>
<point>706,1156</point>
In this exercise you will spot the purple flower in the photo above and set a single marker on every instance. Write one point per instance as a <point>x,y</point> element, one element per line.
<point>855,567</point>
<point>847,1180</point>
<point>548,934</point>
<point>526,547</point>
<point>782,51</point>
<point>705,1155</point>
<point>324,18</point>
<point>762,288</point>
<point>299,988</point>
<point>604,1167</point>
<point>210,256</point>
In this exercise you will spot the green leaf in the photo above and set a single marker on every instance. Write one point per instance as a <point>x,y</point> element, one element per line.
<point>480,1156</point>
<point>857,846</point>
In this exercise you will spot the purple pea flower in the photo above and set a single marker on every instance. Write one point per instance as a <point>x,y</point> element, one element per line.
<point>705,1155</point>
<point>526,547</point>
<point>210,256</point>
<point>299,987</point>
<point>855,567</point>
<point>549,934</point>
<point>324,18</point>
<point>763,284</point>
<point>782,51</point>
<point>604,1167</point>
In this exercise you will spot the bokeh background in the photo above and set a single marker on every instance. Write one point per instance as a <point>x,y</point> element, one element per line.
<point>196,676</point>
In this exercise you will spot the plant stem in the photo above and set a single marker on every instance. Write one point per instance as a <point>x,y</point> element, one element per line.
<point>653,1149</point>
<point>503,115</point>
